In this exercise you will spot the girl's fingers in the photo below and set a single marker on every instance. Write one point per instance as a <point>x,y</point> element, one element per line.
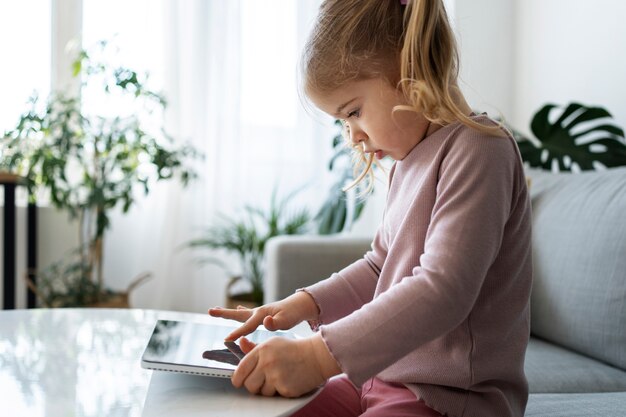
<point>273,323</point>
<point>255,320</point>
<point>244,369</point>
<point>239,315</point>
<point>268,390</point>
<point>246,345</point>
<point>248,327</point>
<point>254,383</point>
<point>252,318</point>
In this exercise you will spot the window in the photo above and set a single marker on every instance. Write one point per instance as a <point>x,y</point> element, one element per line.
<point>269,57</point>
<point>134,30</point>
<point>25,51</point>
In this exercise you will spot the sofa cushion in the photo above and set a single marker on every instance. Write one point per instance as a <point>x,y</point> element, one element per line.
<point>553,369</point>
<point>608,404</point>
<point>579,255</point>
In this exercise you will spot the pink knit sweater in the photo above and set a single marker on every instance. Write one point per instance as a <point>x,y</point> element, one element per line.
<point>441,302</point>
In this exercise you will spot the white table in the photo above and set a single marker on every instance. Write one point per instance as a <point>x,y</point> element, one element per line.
<point>86,362</point>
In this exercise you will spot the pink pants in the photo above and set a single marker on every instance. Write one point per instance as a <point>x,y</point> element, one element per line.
<point>340,398</point>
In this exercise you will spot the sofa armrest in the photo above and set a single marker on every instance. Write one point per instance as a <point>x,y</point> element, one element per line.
<point>295,262</point>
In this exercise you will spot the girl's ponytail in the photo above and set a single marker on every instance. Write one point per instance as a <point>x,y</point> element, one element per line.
<point>429,66</point>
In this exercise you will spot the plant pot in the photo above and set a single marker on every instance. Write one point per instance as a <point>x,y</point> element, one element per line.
<point>121,299</point>
<point>245,299</point>
<point>117,300</point>
<point>106,298</point>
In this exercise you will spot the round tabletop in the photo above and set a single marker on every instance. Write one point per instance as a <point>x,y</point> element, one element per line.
<point>86,362</point>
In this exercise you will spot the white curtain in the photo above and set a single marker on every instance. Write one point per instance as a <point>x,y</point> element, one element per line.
<point>230,78</point>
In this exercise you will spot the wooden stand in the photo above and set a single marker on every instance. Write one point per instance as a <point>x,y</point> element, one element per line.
<point>10,182</point>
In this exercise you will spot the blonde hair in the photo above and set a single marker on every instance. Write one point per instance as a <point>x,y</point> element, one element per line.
<point>412,47</point>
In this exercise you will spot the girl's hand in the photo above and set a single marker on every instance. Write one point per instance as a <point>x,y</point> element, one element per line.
<point>281,315</point>
<point>283,366</point>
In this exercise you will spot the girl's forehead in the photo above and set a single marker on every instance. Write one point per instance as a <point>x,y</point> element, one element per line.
<point>335,101</point>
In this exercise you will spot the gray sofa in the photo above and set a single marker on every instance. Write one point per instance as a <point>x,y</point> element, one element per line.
<point>576,359</point>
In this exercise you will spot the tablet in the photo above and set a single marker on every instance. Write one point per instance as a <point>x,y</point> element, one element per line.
<point>197,348</point>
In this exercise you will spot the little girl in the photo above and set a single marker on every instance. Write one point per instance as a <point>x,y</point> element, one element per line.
<point>434,319</point>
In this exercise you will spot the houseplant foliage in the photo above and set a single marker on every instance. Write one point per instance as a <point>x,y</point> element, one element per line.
<point>90,164</point>
<point>334,216</point>
<point>581,138</point>
<point>247,236</point>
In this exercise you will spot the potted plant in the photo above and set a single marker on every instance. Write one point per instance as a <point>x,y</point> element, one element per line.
<point>246,237</point>
<point>90,164</point>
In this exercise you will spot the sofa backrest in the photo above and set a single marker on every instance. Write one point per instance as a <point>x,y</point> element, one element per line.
<point>579,256</point>
<point>297,261</point>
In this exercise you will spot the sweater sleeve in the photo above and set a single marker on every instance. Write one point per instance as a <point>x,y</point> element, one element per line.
<point>352,287</point>
<point>472,206</point>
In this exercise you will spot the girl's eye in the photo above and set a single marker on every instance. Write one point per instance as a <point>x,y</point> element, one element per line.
<point>354,113</point>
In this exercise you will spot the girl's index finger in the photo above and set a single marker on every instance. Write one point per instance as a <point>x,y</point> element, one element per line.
<point>256,319</point>
<point>245,329</point>
<point>251,319</point>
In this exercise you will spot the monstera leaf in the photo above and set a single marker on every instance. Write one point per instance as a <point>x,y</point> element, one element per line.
<point>581,138</point>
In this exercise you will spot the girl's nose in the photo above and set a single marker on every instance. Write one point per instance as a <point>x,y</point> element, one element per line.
<point>357,136</point>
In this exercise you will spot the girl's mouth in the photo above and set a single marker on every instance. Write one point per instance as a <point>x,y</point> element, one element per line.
<point>379,155</point>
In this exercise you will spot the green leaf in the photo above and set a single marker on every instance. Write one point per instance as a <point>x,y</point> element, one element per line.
<point>563,143</point>
<point>339,217</point>
<point>76,67</point>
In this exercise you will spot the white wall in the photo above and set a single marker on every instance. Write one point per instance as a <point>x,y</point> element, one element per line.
<point>485,35</point>
<point>570,50</point>
<point>517,55</point>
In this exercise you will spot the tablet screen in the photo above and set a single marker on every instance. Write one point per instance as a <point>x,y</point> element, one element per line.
<point>196,347</point>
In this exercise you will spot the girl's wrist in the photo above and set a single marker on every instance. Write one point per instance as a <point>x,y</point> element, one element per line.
<point>328,365</point>
<point>310,310</point>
